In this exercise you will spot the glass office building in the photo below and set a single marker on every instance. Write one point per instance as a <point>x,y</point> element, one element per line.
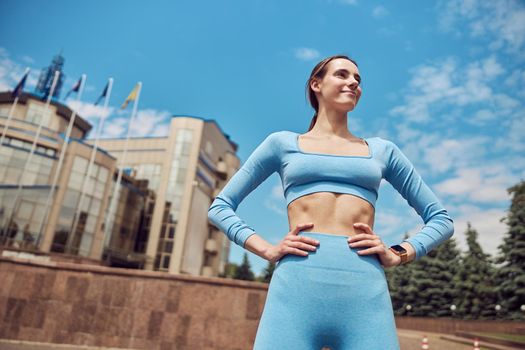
<point>159,221</point>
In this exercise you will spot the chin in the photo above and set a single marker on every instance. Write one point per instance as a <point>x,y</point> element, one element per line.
<point>349,107</point>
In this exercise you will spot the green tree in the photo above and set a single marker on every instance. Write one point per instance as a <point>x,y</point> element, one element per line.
<point>445,260</point>
<point>401,292</point>
<point>244,271</point>
<point>431,289</point>
<point>230,270</point>
<point>511,272</point>
<point>266,275</point>
<point>477,296</point>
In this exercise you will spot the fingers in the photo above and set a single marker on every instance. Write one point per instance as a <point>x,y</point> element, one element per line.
<point>363,227</point>
<point>298,245</point>
<point>367,239</point>
<point>366,243</point>
<point>304,239</point>
<point>373,250</point>
<point>301,245</point>
<point>295,251</point>
<point>361,236</point>
<point>300,227</point>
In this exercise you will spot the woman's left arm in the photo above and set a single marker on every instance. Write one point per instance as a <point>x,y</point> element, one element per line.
<point>439,226</point>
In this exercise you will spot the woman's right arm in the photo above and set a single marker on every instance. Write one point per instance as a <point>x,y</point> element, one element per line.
<point>263,162</point>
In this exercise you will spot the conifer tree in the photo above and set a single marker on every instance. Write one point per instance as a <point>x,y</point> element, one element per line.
<point>244,271</point>
<point>449,256</point>
<point>268,272</point>
<point>230,270</point>
<point>476,298</point>
<point>401,292</point>
<point>511,272</point>
<point>432,289</point>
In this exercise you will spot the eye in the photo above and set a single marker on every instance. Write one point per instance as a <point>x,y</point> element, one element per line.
<point>340,74</point>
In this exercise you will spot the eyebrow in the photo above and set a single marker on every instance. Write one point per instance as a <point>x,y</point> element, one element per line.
<point>347,71</point>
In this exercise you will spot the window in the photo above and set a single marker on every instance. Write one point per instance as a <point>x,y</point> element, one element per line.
<point>38,114</point>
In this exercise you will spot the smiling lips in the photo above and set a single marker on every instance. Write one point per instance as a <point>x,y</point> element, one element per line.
<point>350,92</point>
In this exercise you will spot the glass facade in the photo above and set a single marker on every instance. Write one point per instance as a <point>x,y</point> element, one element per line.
<point>21,231</point>
<point>150,172</point>
<point>174,194</point>
<point>21,211</point>
<point>128,218</point>
<point>88,214</point>
<point>13,156</point>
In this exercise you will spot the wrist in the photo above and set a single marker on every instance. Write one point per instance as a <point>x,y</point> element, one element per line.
<point>259,246</point>
<point>401,254</point>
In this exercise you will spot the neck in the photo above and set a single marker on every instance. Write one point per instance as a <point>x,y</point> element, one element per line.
<point>331,123</point>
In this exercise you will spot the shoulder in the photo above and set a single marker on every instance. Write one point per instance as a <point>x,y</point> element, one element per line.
<point>383,141</point>
<point>388,145</point>
<point>277,138</point>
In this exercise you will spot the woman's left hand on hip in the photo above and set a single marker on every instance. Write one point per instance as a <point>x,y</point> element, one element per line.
<point>374,245</point>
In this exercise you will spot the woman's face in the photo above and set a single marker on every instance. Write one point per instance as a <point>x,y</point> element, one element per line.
<point>340,87</point>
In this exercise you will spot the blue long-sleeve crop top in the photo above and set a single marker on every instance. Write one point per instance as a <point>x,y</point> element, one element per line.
<point>303,173</point>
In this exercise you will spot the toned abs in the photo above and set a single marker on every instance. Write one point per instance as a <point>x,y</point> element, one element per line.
<point>333,213</point>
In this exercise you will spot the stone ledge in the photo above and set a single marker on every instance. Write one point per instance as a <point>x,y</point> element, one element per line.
<point>133,273</point>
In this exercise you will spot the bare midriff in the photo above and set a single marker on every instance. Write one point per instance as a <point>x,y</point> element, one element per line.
<point>332,213</point>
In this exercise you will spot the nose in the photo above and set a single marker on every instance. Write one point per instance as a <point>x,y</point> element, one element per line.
<point>353,83</point>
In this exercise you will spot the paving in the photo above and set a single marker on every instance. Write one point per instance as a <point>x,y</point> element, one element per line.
<point>409,340</point>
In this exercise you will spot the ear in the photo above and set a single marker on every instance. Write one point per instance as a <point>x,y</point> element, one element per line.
<point>315,85</point>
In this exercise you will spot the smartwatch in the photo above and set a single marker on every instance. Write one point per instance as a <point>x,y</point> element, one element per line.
<point>401,252</point>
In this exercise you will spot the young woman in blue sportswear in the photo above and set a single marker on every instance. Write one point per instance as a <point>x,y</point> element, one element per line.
<point>329,286</point>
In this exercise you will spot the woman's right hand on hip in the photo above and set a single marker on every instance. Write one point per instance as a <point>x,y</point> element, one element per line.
<point>292,243</point>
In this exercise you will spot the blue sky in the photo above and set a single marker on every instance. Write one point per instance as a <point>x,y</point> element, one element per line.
<point>444,80</point>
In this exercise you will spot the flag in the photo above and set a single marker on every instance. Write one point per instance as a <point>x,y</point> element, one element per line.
<point>132,97</point>
<point>20,86</point>
<point>104,93</point>
<point>75,88</point>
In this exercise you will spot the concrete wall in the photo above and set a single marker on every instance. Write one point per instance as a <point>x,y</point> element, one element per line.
<point>100,306</point>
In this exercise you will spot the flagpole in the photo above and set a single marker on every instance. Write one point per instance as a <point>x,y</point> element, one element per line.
<point>58,169</point>
<point>80,203</point>
<point>11,111</point>
<point>33,147</point>
<point>107,229</point>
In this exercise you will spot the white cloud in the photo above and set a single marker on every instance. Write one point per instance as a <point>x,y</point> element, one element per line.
<point>89,111</point>
<point>440,85</point>
<point>147,123</point>
<point>11,72</point>
<point>27,59</point>
<point>486,223</point>
<point>487,184</point>
<point>277,192</point>
<point>514,140</point>
<point>387,223</point>
<point>500,22</point>
<point>306,54</point>
<point>151,123</point>
<point>275,207</point>
<point>379,12</point>
<point>447,154</point>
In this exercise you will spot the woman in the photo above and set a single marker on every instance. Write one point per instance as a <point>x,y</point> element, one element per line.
<point>329,286</point>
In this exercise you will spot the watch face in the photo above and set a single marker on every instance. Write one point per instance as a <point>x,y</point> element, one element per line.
<point>399,248</point>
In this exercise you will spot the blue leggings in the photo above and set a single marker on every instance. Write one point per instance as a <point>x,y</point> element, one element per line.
<point>333,297</point>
